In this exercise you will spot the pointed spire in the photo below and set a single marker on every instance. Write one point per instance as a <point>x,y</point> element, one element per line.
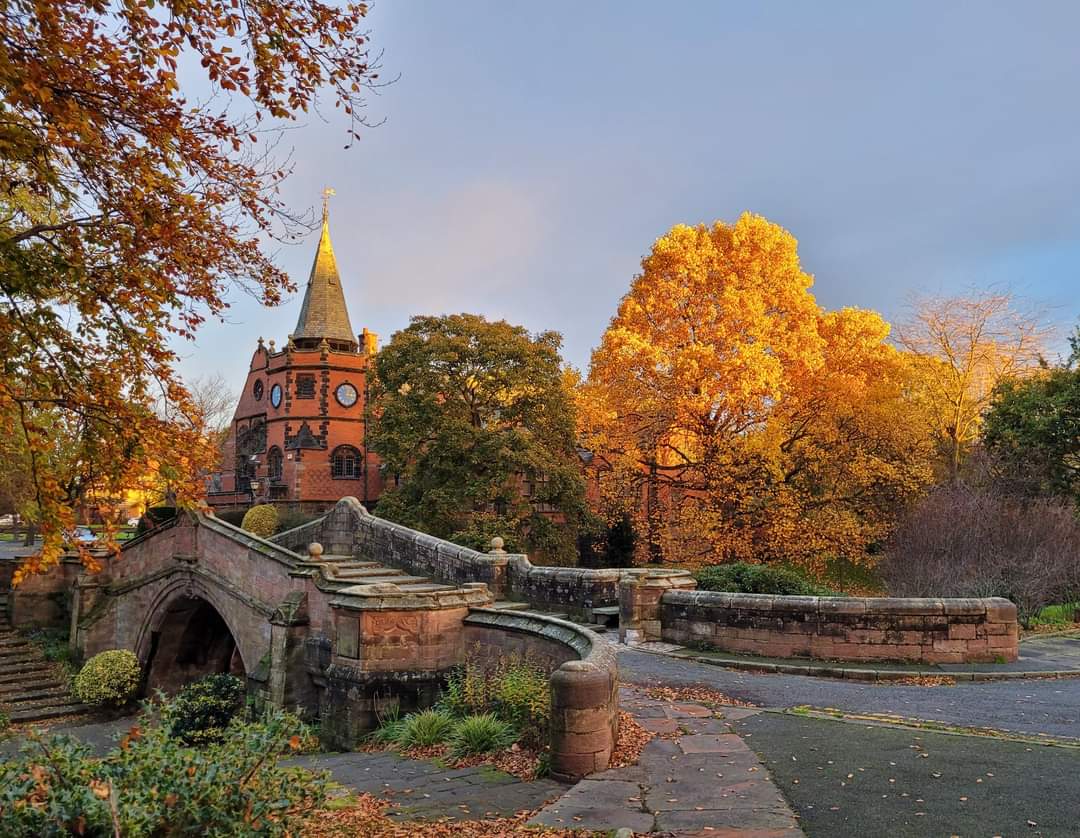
<point>323,315</point>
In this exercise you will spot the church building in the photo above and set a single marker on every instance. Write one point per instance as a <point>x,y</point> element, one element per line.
<point>298,436</point>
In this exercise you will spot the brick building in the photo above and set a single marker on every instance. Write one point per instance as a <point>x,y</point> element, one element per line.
<point>298,433</point>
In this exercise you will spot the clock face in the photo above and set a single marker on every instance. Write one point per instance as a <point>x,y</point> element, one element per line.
<point>275,395</point>
<point>346,395</point>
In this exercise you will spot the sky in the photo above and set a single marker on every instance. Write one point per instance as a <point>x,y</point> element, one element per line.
<point>530,153</point>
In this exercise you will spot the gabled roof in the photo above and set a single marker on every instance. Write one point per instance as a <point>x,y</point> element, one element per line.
<point>323,314</point>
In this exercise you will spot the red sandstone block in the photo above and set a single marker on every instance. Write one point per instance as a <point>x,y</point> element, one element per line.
<point>1001,641</point>
<point>950,646</point>
<point>962,631</point>
<point>572,765</point>
<point>1001,611</point>
<point>590,742</point>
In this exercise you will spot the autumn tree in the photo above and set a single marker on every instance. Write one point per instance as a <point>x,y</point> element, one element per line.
<point>748,422</point>
<point>128,209</point>
<point>964,347</point>
<point>476,432</point>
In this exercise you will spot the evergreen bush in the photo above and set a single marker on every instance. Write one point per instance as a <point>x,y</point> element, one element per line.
<point>110,677</point>
<point>202,710</point>
<point>151,783</point>
<point>743,578</point>
<point>261,520</point>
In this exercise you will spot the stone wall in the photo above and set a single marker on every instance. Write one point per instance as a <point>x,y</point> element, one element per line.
<point>843,628</point>
<point>350,529</point>
<point>584,683</point>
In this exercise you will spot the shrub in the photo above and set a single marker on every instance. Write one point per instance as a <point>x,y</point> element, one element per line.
<point>743,578</point>
<point>422,730</point>
<point>153,784</point>
<point>261,520</point>
<point>202,710</point>
<point>978,541</point>
<point>53,643</point>
<point>108,678</point>
<point>390,729</point>
<point>513,688</point>
<point>480,734</point>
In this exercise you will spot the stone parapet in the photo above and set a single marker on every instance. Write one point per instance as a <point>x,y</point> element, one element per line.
<point>349,529</point>
<point>584,683</point>
<point>843,628</point>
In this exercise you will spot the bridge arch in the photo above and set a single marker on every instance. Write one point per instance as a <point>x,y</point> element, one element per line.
<point>191,630</point>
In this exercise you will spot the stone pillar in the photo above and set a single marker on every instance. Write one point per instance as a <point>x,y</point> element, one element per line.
<point>494,569</point>
<point>85,592</point>
<point>287,683</point>
<point>640,591</point>
<point>584,719</point>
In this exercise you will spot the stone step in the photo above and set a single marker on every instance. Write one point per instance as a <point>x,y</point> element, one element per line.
<point>425,587</point>
<point>32,693</point>
<point>9,641</point>
<point>396,580</point>
<point>357,565</point>
<point>50,711</point>
<point>17,656</point>
<point>507,605</point>
<point>24,671</point>
<point>363,572</point>
<point>337,557</point>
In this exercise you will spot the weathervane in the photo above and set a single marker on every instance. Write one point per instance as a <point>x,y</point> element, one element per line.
<point>327,193</point>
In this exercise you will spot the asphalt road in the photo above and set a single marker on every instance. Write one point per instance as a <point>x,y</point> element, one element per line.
<point>846,779</point>
<point>1045,706</point>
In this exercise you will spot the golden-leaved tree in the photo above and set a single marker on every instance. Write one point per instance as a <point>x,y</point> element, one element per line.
<point>963,348</point>
<point>742,420</point>
<point>128,208</point>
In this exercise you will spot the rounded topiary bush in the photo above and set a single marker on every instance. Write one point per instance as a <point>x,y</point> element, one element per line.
<point>203,709</point>
<point>261,520</point>
<point>108,678</point>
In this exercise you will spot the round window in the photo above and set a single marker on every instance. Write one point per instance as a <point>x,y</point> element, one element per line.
<point>275,395</point>
<point>257,390</point>
<point>346,395</point>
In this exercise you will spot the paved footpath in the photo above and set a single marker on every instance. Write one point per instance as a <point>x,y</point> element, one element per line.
<point>1039,706</point>
<point>697,777</point>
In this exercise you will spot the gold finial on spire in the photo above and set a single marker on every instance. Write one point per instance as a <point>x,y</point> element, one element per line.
<point>327,193</point>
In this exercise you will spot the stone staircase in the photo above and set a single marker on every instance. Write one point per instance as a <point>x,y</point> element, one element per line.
<point>354,571</point>
<point>357,572</point>
<point>31,688</point>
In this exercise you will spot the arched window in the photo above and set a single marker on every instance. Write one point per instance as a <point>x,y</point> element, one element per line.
<point>274,463</point>
<point>345,463</point>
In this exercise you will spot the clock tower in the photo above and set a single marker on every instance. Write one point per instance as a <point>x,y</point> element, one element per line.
<point>298,436</point>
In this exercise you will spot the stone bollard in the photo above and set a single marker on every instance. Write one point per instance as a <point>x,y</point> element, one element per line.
<point>584,719</point>
<point>640,592</point>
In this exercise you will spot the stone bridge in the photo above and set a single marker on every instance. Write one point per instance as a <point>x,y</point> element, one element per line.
<point>343,618</point>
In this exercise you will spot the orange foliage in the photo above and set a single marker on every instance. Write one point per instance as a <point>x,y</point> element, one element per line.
<point>750,423</point>
<point>127,211</point>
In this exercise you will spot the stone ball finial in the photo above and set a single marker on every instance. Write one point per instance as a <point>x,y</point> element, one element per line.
<point>315,550</point>
<point>497,545</point>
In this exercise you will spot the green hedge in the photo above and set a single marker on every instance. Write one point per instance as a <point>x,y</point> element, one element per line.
<point>743,578</point>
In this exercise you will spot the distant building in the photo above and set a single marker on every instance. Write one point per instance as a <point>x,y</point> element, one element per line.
<point>298,436</point>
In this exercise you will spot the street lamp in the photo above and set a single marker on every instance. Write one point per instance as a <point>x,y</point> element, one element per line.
<point>253,483</point>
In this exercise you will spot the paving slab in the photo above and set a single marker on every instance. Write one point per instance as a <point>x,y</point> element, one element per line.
<point>701,779</point>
